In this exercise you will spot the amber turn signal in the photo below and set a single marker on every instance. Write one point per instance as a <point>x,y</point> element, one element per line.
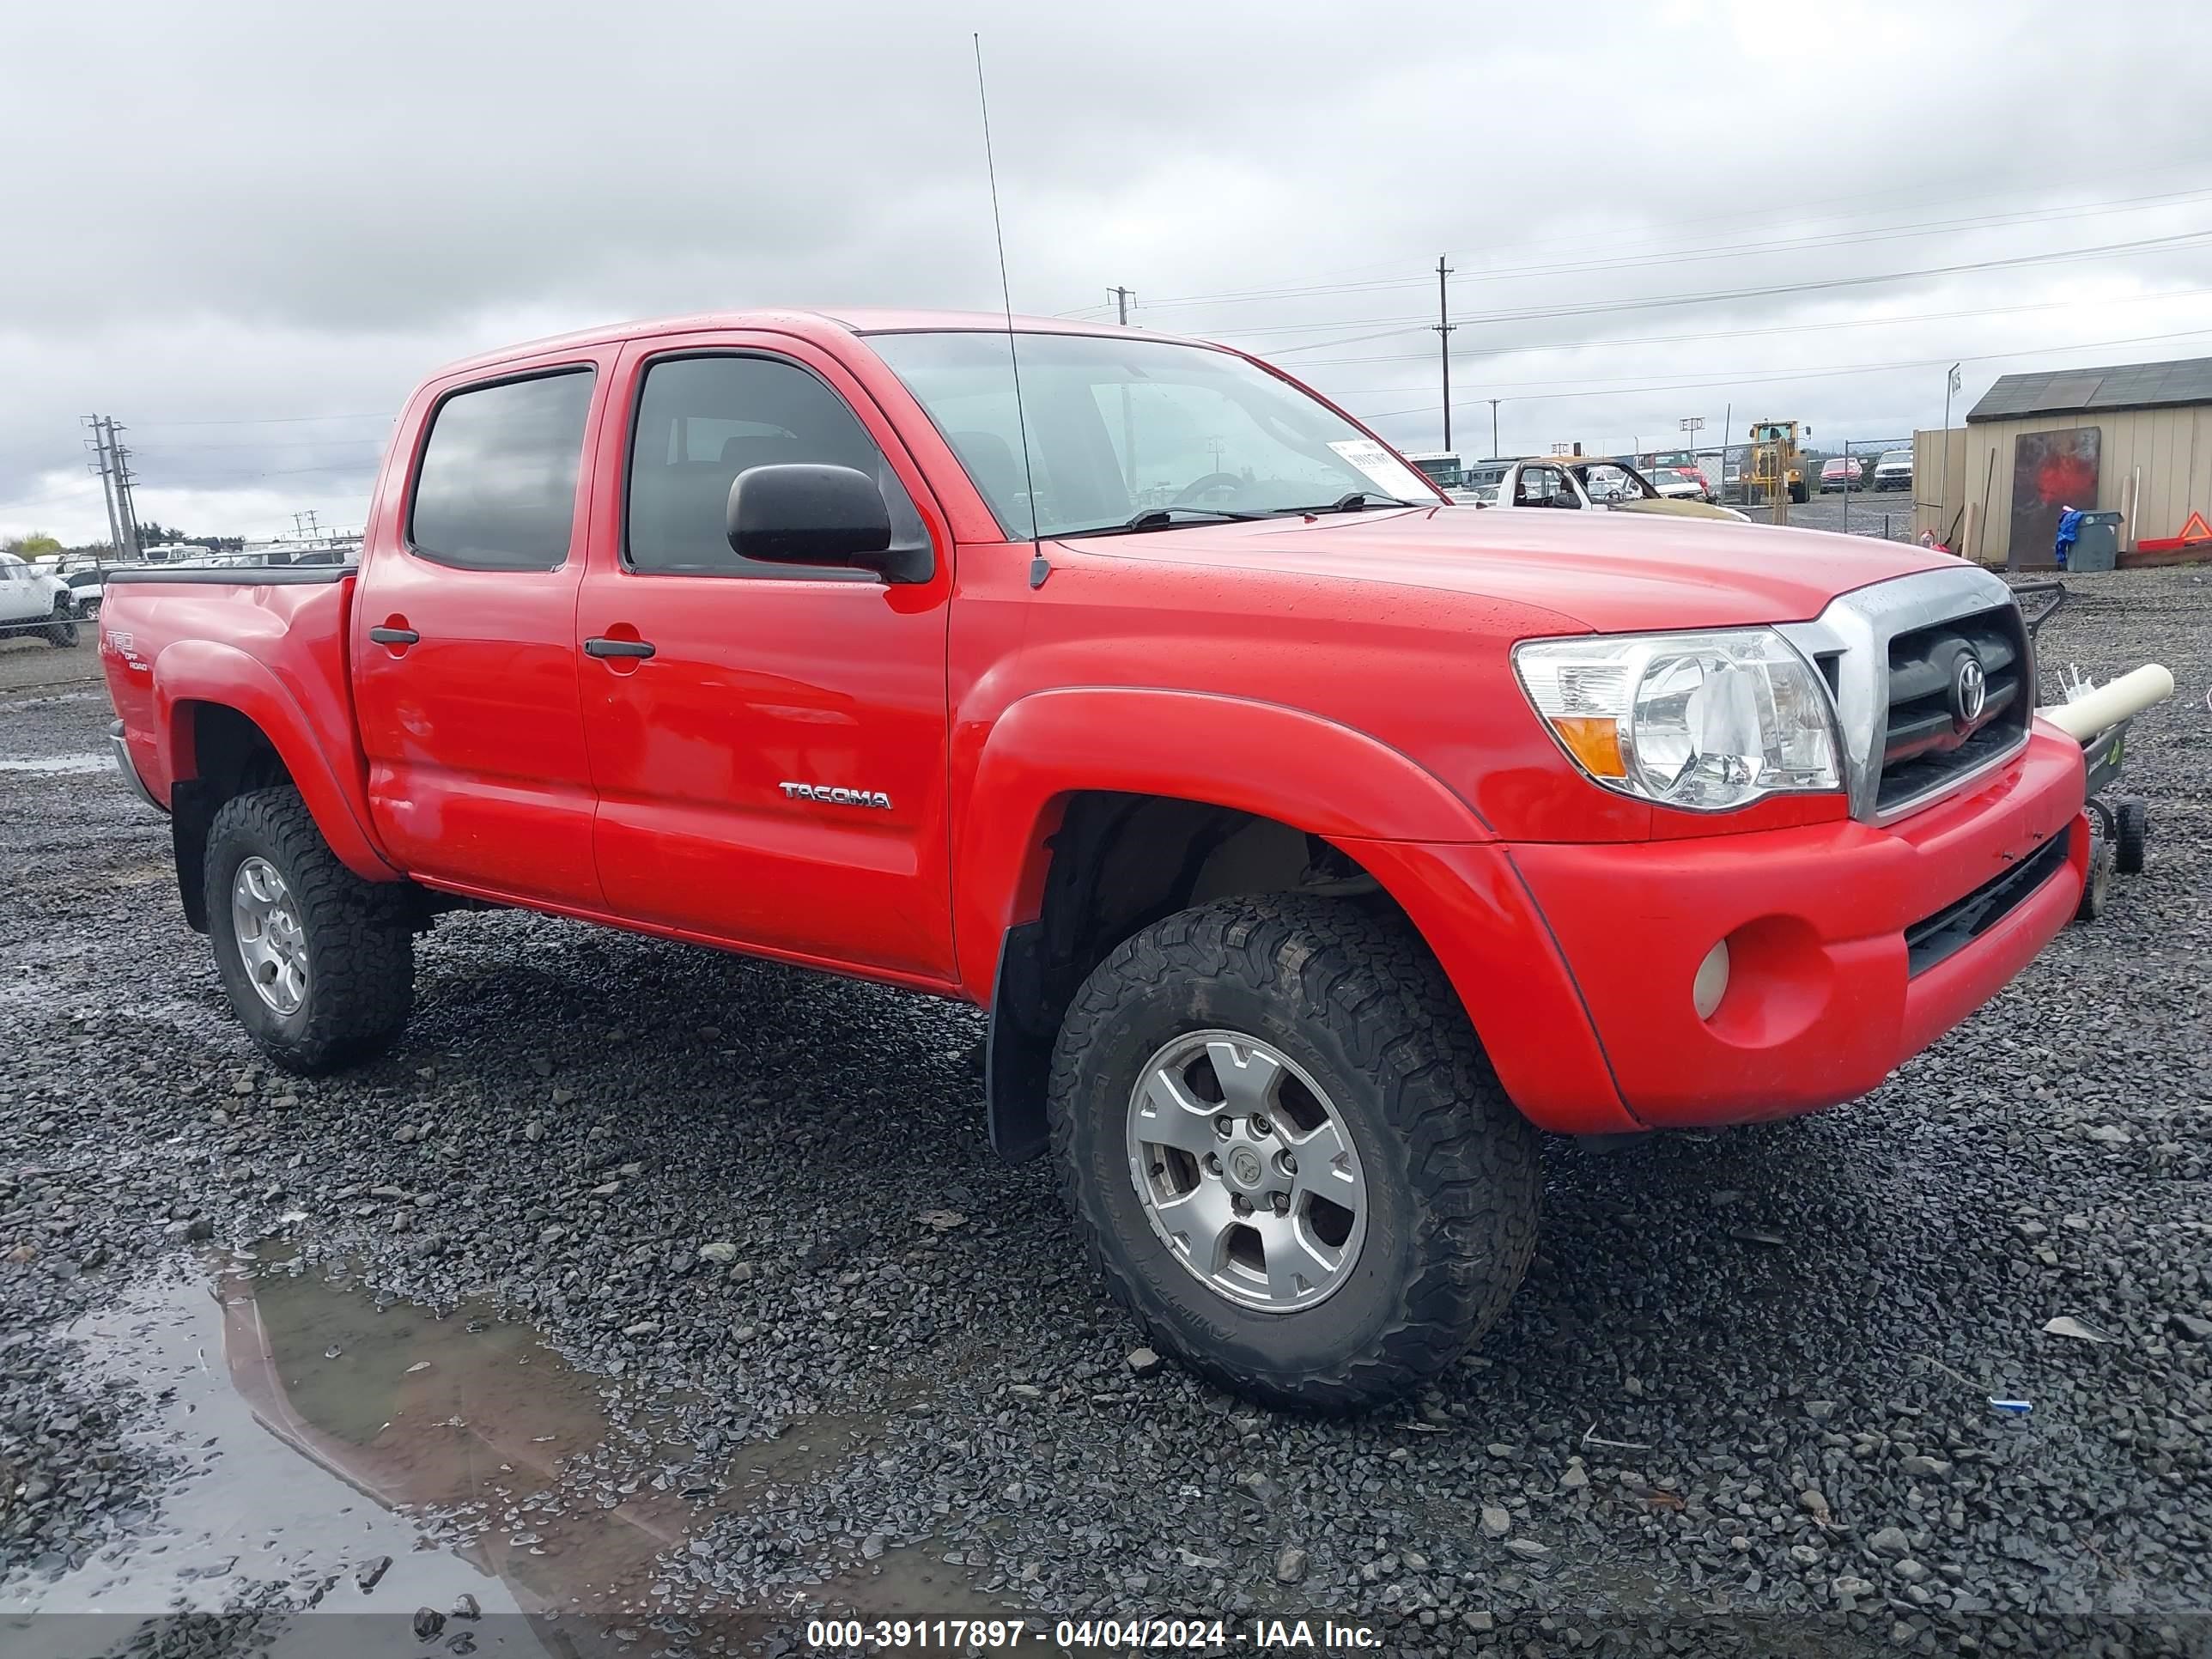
<point>1595,741</point>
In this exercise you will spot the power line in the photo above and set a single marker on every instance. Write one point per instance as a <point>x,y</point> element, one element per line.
<point>2176,242</point>
<point>268,420</point>
<point>1595,389</point>
<point>1679,256</point>
<point>1783,328</point>
<point>1748,217</point>
<point>282,443</point>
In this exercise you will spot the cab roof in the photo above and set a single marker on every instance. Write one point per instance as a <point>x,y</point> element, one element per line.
<point>818,325</point>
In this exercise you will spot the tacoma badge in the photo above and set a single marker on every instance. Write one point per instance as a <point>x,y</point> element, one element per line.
<point>829,797</point>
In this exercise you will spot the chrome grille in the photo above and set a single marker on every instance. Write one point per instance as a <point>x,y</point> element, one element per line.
<point>1928,735</point>
<point>1882,650</point>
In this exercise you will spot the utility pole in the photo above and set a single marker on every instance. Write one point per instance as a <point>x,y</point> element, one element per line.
<point>126,512</point>
<point>1729,416</point>
<point>99,465</point>
<point>1444,326</point>
<point>1943,490</point>
<point>1495,453</point>
<point>1121,298</point>
<point>309,531</point>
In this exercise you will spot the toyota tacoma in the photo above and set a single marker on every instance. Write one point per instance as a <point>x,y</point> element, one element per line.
<point>1313,842</point>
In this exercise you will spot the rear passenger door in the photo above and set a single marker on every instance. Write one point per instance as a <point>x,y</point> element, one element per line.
<point>773,775</point>
<point>464,637</point>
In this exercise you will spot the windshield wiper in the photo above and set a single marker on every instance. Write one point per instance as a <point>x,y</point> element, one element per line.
<point>1162,518</point>
<point>1357,502</point>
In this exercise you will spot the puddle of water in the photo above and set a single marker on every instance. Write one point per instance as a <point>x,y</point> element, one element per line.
<point>60,766</point>
<point>245,1512</point>
<point>322,1427</point>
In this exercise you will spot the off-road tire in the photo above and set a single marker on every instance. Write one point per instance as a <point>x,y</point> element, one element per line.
<point>360,948</point>
<point>2130,835</point>
<point>1452,1168</point>
<point>61,632</point>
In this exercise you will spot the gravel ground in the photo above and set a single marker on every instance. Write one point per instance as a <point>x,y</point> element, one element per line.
<point>1888,510</point>
<point>29,665</point>
<point>1742,1404</point>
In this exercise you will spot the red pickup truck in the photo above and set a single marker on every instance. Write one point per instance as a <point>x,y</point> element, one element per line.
<point>1313,842</point>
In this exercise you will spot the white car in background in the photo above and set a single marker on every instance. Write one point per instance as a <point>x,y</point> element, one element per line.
<point>34,604</point>
<point>1893,470</point>
<point>1594,484</point>
<point>1677,486</point>
<point>86,584</point>
<point>1478,482</point>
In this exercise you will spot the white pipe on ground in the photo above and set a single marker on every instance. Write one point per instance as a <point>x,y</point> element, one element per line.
<point>2108,705</point>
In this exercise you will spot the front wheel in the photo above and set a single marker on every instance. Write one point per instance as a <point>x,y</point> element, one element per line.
<point>61,631</point>
<point>319,964</point>
<point>2097,888</point>
<point>2132,835</point>
<point>1287,1153</point>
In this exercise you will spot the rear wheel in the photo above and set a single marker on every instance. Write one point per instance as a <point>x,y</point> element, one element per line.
<point>1287,1153</point>
<point>319,964</point>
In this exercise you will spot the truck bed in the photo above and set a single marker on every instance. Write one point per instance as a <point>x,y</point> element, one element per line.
<point>275,638</point>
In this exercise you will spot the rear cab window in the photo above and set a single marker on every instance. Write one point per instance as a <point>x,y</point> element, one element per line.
<point>495,488</point>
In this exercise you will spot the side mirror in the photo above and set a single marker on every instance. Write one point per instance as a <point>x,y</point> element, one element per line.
<point>800,513</point>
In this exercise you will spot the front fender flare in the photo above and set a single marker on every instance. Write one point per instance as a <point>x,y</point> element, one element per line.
<point>1260,757</point>
<point>206,671</point>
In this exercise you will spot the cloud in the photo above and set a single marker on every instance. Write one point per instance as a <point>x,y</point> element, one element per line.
<point>251,213</point>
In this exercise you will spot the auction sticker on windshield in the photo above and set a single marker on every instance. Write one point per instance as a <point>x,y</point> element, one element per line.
<point>1389,472</point>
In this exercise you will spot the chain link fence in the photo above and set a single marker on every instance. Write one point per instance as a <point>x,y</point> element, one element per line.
<point>1863,487</point>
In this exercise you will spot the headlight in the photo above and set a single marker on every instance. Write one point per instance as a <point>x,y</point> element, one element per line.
<point>1702,721</point>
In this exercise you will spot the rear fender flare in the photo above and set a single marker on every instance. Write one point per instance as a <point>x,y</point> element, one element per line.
<point>205,671</point>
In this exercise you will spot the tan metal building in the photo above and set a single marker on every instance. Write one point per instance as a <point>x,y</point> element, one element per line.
<point>2145,429</point>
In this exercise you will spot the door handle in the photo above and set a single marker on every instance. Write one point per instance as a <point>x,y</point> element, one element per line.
<point>394,635</point>
<point>600,646</point>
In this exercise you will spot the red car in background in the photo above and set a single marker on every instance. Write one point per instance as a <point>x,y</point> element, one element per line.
<point>1842,472</point>
<point>1682,461</point>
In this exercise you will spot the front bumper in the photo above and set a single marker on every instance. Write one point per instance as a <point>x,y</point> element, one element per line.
<point>1852,948</point>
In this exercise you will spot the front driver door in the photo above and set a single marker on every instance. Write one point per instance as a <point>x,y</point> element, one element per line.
<point>773,775</point>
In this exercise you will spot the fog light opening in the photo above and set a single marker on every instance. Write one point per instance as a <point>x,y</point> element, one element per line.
<point>1711,983</point>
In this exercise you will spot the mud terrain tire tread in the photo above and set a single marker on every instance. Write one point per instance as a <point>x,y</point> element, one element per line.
<point>361,950</point>
<point>1464,1160</point>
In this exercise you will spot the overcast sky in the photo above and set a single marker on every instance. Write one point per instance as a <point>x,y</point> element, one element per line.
<point>246,230</point>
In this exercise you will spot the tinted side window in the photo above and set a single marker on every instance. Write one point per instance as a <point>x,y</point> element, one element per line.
<point>497,487</point>
<point>701,420</point>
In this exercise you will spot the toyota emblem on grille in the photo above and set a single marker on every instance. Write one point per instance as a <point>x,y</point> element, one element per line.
<point>1970,690</point>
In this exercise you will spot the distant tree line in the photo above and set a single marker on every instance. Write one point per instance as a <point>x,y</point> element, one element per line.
<point>154,534</point>
<point>151,534</point>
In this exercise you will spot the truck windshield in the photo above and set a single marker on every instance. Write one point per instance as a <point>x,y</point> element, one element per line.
<point>1118,427</point>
